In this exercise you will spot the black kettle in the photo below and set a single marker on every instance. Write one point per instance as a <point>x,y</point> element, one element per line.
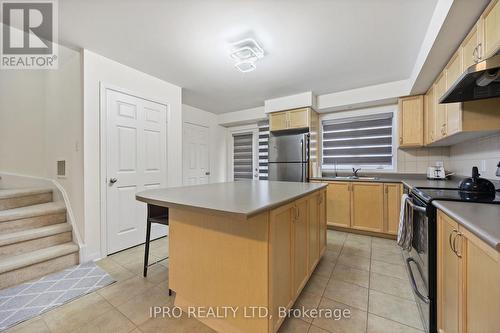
<point>477,184</point>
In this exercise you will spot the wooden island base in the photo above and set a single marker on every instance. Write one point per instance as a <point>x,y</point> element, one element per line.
<point>221,262</point>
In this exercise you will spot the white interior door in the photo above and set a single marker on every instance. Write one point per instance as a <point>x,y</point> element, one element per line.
<point>196,157</point>
<point>136,160</point>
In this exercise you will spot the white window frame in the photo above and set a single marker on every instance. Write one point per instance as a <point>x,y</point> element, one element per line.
<point>392,108</point>
<point>245,129</point>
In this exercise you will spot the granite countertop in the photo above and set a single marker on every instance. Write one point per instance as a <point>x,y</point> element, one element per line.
<point>483,220</point>
<point>242,199</point>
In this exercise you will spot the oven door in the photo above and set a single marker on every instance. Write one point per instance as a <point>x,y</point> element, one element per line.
<point>417,259</point>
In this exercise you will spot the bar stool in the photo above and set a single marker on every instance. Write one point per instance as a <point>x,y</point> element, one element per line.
<point>156,214</point>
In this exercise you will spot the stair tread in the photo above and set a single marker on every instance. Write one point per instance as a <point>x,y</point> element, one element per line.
<point>30,258</point>
<point>25,235</point>
<point>22,192</point>
<point>32,211</point>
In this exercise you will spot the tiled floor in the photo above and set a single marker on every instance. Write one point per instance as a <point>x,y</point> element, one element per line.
<point>360,273</point>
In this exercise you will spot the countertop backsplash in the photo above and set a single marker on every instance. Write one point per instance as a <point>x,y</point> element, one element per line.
<point>465,155</point>
<point>416,160</point>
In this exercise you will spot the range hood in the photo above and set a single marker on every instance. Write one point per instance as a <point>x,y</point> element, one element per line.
<point>479,81</point>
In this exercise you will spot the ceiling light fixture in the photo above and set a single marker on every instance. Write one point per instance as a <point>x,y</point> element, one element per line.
<point>246,52</point>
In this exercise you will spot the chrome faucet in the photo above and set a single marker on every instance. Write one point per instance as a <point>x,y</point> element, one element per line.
<point>355,172</point>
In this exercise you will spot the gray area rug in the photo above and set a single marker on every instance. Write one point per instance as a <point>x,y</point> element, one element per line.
<point>28,300</point>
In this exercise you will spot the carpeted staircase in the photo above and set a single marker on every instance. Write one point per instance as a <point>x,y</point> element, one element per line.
<point>35,239</point>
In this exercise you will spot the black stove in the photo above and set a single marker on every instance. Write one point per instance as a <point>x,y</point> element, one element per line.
<point>430,194</point>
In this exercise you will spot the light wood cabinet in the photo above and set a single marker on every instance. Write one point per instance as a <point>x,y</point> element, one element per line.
<point>278,121</point>
<point>314,230</point>
<point>300,246</point>
<point>297,239</point>
<point>338,205</point>
<point>452,123</point>
<point>411,121</point>
<point>448,276</point>
<point>392,205</point>
<point>453,110</point>
<point>468,275</point>
<point>290,119</point>
<point>491,28</point>
<point>366,206</point>
<point>322,222</point>
<point>299,118</point>
<point>429,116</point>
<point>280,241</point>
<point>441,117</point>
<point>470,48</point>
<point>367,202</point>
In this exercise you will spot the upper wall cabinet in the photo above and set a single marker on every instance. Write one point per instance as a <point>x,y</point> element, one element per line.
<point>411,121</point>
<point>429,116</point>
<point>291,119</point>
<point>448,124</point>
<point>491,28</point>
<point>471,48</point>
<point>453,110</point>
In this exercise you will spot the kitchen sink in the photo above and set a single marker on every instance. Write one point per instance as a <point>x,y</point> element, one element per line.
<point>354,178</point>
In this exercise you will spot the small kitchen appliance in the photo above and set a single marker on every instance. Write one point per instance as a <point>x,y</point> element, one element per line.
<point>436,172</point>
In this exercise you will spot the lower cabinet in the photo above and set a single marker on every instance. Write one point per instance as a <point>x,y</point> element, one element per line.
<point>468,288</point>
<point>297,238</point>
<point>392,205</point>
<point>314,231</point>
<point>367,206</point>
<point>338,198</point>
<point>280,257</point>
<point>300,244</point>
<point>322,222</point>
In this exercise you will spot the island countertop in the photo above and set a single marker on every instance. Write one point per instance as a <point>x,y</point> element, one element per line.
<point>243,199</point>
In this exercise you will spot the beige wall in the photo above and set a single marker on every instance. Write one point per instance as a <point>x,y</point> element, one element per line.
<point>99,70</point>
<point>417,160</point>
<point>468,154</point>
<point>41,122</point>
<point>22,124</point>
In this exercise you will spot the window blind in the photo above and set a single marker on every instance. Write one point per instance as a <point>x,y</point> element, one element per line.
<point>242,156</point>
<point>364,141</point>
<point>263,148</point>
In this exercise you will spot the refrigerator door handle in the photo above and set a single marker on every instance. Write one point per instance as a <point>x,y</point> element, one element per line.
<point>302,150</point>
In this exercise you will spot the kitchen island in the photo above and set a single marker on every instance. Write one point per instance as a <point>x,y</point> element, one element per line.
<point>241,252</point>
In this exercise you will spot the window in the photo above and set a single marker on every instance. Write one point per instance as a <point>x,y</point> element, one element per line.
<point>263,148</point>
<point>242,156</point>
<point>364,141</point>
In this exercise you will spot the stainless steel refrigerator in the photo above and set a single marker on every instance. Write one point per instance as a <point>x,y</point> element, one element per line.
<point>289,157</point>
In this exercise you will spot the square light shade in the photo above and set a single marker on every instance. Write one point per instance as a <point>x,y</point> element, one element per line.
<point>245,66</point>
<point>246,52</point>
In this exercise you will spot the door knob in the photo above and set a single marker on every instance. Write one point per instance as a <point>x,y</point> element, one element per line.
<point>207,173</point>
<point>113,180</point>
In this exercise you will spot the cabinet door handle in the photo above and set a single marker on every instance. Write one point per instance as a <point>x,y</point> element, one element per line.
<point>452,242</point>
<point>400,140</point>
<point>459,234</point>
<point>475,58</point>
<point>479,51</point>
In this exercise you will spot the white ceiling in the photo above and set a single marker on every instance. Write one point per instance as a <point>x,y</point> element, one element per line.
<point>322,46</point>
